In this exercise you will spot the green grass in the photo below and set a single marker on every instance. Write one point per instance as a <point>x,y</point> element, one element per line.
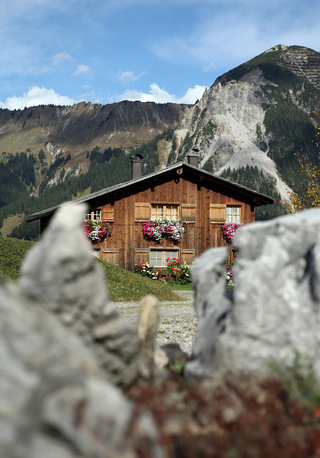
<point>129,286</point>
<point>122,285</point>
<point>12,252</point>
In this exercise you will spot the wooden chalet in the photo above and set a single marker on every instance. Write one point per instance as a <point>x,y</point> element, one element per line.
<point>202,201</point>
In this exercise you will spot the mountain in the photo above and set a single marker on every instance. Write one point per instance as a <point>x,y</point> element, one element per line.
<point>82,127</point>
<point>247,127</point>
<point>257,115</point>
<point>74,131</point>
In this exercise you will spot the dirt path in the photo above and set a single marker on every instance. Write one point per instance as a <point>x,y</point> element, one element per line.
<point>178,322</point>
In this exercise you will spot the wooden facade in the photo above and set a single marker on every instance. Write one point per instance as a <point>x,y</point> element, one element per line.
<point>199,199</point>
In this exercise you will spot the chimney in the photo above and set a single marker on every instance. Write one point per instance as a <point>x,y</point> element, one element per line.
<point>193,158</point>
<point>136,166</point>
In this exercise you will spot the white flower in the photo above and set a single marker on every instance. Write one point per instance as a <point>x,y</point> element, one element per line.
<point>94,235</point>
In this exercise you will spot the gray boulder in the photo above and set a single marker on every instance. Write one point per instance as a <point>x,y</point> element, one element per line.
<point>54,399</point>
<point>273,314</point>
<point>212,306</point>
<point>62,275</point>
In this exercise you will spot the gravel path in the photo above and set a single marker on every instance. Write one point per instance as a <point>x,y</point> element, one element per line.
<point>178,322</point>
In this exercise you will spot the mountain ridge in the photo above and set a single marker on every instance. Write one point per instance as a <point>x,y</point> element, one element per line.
<point>79,128</point>
<point>253,119</point>
<point>231,125</point>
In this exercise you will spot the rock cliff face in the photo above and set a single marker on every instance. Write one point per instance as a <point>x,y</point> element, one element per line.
<point>236,122</point>
<point>224,127</point>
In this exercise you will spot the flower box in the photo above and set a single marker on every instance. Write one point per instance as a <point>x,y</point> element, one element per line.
<point>229,231</point>
<point>97,231</point>
<point>160,229</point>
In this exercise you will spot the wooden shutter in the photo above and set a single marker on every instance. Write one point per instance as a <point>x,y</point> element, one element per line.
<point>217,213</point>
<point>143,254</point>
<point>111,255</point>
<point>187,256</point>
<point>188,212</point>
<point>142,211</point>
<point>108,213</point>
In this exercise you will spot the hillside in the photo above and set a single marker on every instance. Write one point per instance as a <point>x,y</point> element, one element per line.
<point>247,127</point>
<point>62,138</point>
<point>80,128</point>
<point>258,115</point>
<point>122,285</point>
<point>12,253</point>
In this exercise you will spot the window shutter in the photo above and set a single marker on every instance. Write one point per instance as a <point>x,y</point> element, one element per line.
<point>111,255</point>
<point>143,254</point>
<point>187,256</point>
<point>188,212</point>
<point>142,211</point>
<point>217,213</point>
<point>108,213</point>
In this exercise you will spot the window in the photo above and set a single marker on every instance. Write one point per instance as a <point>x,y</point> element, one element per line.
<point>160,211</point>
<point>233,214</point>
<point>159,258</point>
<point>95,215</point>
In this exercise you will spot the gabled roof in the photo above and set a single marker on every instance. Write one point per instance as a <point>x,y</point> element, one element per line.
<point>257,198</point>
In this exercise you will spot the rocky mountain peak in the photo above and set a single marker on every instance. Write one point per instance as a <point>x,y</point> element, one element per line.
<point>303,62</point>
<point>251,116</point>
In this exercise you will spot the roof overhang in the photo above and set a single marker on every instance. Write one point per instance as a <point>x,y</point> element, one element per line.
<point>256,198</point>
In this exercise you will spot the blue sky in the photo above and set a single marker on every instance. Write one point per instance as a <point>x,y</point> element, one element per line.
<point>103,51</point>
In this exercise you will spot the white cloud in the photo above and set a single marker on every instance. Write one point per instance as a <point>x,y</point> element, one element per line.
<point>60,57</point>
<point>158,95</point>
<point>36,96</point>
<point>193,94</point>
<point>81,70</point>
<point>129,76</point>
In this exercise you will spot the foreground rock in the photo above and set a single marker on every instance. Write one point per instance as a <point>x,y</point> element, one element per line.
<point>62,342</point>
<point>273,316</point>
<point>61,274</point>
<point>54,399</point>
